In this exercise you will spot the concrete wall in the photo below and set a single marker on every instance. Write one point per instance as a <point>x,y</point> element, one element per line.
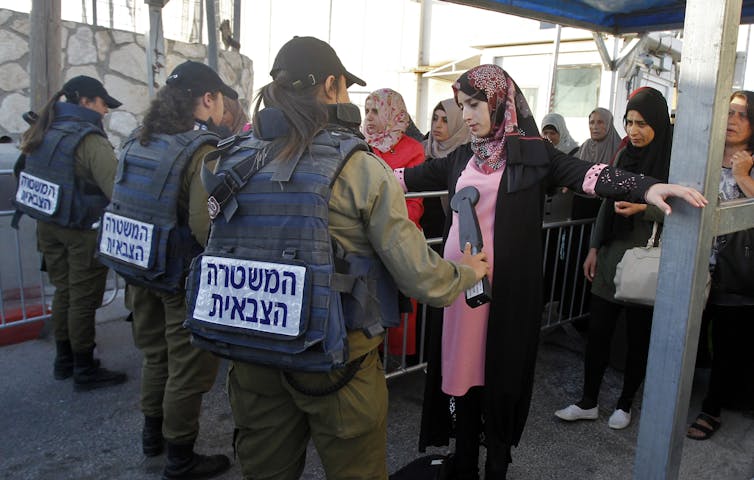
<point>115,57</point>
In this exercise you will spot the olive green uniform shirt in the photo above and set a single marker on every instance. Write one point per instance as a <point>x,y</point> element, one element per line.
<point>96,162</point>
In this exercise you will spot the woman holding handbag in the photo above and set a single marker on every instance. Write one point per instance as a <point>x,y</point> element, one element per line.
<point>619,227</point>
<point>731,303</point>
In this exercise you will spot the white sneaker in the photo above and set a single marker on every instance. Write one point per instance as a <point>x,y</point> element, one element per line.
<point>574,412</point>
<point>619,419</point>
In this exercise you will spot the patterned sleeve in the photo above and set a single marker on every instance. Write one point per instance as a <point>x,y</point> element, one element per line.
<point>601,180</point>
<point>622,185</point>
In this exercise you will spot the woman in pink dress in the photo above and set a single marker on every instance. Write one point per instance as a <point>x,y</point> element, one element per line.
<point>481,385</point>
<point>385,122</point>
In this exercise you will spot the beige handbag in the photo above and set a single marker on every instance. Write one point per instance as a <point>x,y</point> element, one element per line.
<point>636,274</point>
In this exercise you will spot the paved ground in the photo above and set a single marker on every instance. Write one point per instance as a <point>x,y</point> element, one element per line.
<point>49,432</point>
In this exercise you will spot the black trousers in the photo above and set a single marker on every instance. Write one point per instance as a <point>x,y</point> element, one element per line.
<point>730,383</point>
<point>603,318</point>
<point>468,430</point>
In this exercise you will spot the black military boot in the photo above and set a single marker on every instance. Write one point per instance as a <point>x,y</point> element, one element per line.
<point>185,464</point>
<point>152,441</point>
<point>88,375</point>
<point>63,366</point>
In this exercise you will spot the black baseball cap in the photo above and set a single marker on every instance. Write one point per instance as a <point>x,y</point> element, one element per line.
<point>198,79</point>
<point>308,61</point>
<point>83,86</point>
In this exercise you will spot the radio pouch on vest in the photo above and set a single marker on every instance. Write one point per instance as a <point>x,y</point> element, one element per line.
<point>272,287</point>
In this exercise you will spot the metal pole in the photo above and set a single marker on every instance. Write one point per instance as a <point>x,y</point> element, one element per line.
<point>211,34</point>
<point>237,20</point>
<point>329,23</point>
<point>710,34</point>
<point>155,49</point>
<point>422,84</point>
<point>44,56</point>
<point>614,76</point>
<point>554,76</point>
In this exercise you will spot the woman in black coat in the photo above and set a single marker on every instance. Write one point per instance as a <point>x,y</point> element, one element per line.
<point>512,167</point>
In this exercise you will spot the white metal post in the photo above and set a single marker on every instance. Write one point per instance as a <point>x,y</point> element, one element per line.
<point>422,83</point>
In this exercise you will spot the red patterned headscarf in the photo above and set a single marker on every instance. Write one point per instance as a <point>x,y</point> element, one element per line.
<point>391,110</point>
<point>509,112</point>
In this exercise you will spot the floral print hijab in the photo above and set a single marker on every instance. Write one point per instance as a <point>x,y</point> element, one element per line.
<point>391,110</point>
<point>509,113</point>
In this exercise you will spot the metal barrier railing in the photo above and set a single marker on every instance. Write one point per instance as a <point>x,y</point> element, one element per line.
<point>25,291</point>
<point>565,293</point>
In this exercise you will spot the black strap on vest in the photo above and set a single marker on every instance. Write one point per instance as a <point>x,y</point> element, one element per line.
<point>349,371</point>
<point>222,188</point>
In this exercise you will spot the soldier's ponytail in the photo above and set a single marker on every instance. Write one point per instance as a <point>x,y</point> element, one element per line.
<point>32,138</point>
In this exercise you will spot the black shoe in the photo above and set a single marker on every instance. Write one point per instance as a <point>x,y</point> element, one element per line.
<point>185,464</point>
<point>89,375</point>
<point>63,366</point>
<point>152,441</point>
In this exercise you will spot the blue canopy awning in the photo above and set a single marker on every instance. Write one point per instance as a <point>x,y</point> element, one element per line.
<point>610,16</point>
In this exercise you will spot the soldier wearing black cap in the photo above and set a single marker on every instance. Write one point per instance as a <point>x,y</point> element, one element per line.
<point>65,185</point>
<point>321,203</point>
<point>159,198</point>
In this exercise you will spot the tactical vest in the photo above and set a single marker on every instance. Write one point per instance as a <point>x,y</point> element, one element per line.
<point>272,287</point>
<point>48,189</point>
<point>143,236</point>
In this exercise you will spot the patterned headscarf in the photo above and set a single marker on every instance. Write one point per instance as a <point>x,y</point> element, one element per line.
<point>509,112</point>
<point>458,132</point>
<point>391,110</point>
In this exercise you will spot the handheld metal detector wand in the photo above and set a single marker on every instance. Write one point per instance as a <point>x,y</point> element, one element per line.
<point>468,232</point>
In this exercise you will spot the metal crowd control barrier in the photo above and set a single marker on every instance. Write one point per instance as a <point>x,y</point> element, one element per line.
<point>25,291</point>
<point>565,291</point>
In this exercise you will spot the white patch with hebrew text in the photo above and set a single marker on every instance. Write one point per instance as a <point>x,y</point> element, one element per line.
<point>38,194</point>
<point>262,296</point>
<point>126,239</point>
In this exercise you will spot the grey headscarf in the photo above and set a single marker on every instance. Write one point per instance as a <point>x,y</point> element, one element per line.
<point>567,144</point>
<point>601,151</point>
<point>458,132</point>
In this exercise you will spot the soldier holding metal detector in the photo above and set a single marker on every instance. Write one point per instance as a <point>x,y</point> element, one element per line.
<point>309,241</point>
<point>488,352</point>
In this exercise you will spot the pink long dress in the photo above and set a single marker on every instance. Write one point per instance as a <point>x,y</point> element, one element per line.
<point>464,333</point>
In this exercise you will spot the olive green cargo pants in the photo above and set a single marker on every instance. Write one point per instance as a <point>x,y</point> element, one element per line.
<point>79,281</point>
<point>274,422</point>
<point>174,374</point>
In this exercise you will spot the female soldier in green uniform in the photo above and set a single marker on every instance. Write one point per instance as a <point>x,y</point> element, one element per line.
<point>65,185</point>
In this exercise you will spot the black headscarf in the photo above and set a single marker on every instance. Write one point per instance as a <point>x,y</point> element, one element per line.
<point>652,159</point>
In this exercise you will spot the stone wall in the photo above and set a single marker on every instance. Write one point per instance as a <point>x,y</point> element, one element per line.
<point>115,57</point>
